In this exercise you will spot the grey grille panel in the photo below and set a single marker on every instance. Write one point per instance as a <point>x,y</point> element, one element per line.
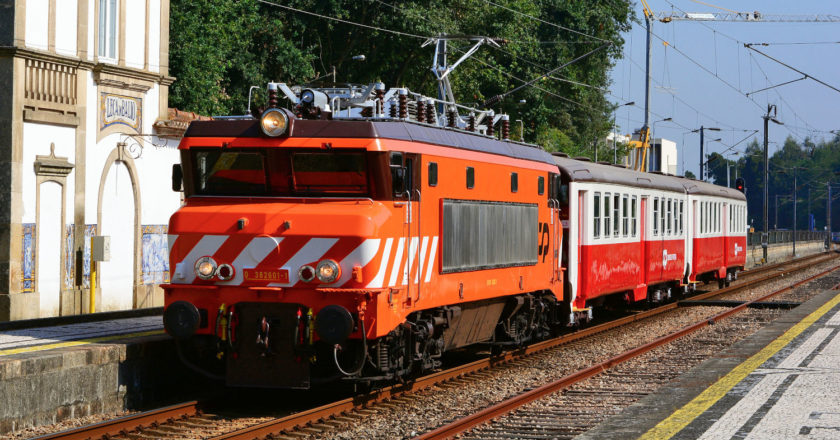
<point>485,235</point>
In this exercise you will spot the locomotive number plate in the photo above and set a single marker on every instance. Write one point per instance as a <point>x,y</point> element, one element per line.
<point>274,276</point>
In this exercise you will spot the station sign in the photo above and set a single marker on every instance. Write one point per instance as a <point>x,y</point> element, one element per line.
<point>120,110</point>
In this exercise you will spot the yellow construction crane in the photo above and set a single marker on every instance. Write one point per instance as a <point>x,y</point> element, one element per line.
<point>640,143</point>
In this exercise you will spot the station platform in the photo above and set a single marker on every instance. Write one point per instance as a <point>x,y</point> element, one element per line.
<point>66,370</point>
<point>783,382</point>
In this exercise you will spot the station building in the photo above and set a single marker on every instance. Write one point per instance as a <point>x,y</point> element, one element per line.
<point>86,148</point>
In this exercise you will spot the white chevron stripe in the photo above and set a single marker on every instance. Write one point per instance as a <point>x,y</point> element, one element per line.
<point>379,279</point>
<point>431,263</point>
<point>253,254</point>
<point>170,243</point>
<point>208,245</point>
<point>412,252</point>
<point>397,262</point>
<point>360,256</point>
<point>312,251</point>
<point>422,258</point>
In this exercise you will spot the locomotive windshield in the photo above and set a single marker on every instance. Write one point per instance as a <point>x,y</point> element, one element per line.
<point>255,172</point>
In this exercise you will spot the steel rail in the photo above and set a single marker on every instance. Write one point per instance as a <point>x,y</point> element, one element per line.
<point>128,423</point>
<point>509,405</point>
<point>338,408</point>
<point>767,267</point>
<point>325,412</point>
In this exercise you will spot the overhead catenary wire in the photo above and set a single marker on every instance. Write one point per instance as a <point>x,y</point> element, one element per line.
<point>547,22</point>
<point>749,46</point>
<point>340,20</point>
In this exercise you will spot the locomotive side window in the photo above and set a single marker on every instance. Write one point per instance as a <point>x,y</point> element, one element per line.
<point>607,224</point>
<point>514,182</point>
<point>616,214</point>
<point>633,212</point>
<point>470,177</point>
<point>596,217</point>
<point>624,216</point>
<point>655,216</point>
<point>541,185</point>
<point>433,173</point>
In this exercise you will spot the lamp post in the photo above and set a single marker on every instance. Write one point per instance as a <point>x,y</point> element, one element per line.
<point>615,147</point>
<point>767,117</point>
<point>702,160</point>
<point>653,139</point>
<point>727,169</point>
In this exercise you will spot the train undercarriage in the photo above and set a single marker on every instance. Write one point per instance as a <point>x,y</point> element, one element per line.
<point>271,346</point>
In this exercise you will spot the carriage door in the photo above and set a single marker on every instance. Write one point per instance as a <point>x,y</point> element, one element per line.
<point>643,222</point>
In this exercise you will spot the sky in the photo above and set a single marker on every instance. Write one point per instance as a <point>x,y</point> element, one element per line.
<point>702,76</point>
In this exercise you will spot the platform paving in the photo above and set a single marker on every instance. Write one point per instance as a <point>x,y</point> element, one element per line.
<point>781,383</point>
<point>49,374</point>
<point>12,341</point>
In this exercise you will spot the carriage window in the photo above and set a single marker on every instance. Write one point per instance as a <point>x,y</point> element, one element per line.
<point>514,182</point>
<point>656,216</point>
<point>617,214</point>
<point>433,174</point>
<point>662,217</point>
<point>596,222</point>
<point>717,217</point>
<point>470,177</point>
<point>702,217</point>
<point>624,216</point>
<point>681,217</point>
<point>541,185</point>
<point>633,212</point>
<point>607,224</point>
<point>670,219</point>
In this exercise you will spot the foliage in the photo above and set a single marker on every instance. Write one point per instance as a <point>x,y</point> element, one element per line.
<point>219,48</point>
<point>815,165</point>
<point>690,175</point>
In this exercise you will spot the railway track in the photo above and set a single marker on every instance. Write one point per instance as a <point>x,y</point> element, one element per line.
<point>315,421</point>
<point>537,422</point>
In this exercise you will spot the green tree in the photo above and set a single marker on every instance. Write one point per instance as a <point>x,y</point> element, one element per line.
<point>220,48</point>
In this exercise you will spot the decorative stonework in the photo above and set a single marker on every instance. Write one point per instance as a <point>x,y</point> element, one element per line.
<point>52,167</point>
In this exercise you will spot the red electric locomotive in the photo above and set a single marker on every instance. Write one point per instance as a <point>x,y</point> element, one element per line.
<point>337,240</point>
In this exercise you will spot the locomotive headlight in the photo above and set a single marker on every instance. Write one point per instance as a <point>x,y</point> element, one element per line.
<point>274,122</point>
<point>205,268</point>
<point>327,271</point>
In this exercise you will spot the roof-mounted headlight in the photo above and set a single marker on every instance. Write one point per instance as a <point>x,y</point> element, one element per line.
<point>274,122</point>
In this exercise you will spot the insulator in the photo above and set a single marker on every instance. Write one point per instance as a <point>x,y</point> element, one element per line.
<point>380,98</point>
<point>392,112</point>
<point>471,122</point>
<point>452,118</point>
<point>505,127</point>
<point>403,104</point>
<point>490,131</point>
<point>421,110</point>
<point>367,112</point>
<point>272,95</point>
<point>431,114</point>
